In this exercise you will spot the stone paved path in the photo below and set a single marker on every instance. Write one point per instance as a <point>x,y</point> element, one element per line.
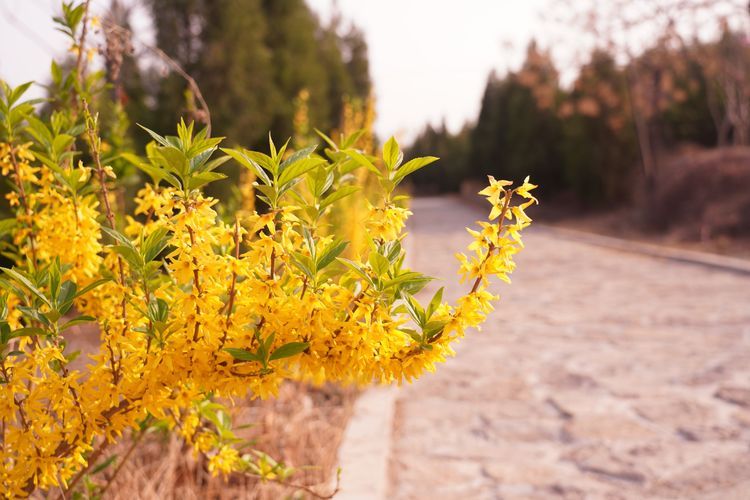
<point>601,374</point>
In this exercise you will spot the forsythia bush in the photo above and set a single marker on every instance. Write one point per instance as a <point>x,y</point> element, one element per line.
<point>191,308</point>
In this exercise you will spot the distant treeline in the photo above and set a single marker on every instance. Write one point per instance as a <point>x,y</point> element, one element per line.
<point>251,60</point>
<point>257,66</point>
<point>608,132</point>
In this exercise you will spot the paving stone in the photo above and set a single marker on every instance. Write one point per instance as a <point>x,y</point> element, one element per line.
<point>601,375</point>
<point>735,395</point>
<point>607,427</point>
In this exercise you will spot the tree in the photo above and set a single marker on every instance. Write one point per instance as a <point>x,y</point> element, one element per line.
<point>258,55</point>
<point>619,28</point>
<point>517,132</point>
<point>598,151</point>
<point>451,168</point>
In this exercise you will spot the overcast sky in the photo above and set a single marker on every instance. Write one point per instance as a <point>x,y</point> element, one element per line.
<point>429,58</point>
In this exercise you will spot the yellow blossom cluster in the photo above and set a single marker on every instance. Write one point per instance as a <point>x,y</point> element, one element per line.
<point>190,308</point>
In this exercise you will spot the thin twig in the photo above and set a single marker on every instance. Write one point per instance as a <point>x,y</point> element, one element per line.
<point>308,489</point>
<point>91,461</point>
<point>175,66</point>
<point>233,286</point>
<point>501,222</point>
<point>80,77</point>
<point>24,203</point>
<point>94,141</point>
<point>196,283</point>
<point>122,462</point>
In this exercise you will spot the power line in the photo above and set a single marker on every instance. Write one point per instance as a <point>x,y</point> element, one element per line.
<point>25,30</point>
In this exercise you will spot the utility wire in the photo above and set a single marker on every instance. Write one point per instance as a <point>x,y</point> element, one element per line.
<point>25,30</point>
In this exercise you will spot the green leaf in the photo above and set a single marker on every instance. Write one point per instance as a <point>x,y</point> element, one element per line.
<point>215,163</point>
<point>158,310</point>
<point>435,302</point>
<point>197,162</point>
<point>247,162</point>
<point>392,156</point>
<point>39,130</point>
<point>77,321</point>
<point>357,268</point>
<point>413,334</point>
<point>330,254</point>
<point>156,173</point>
<point>155,243</point>
<point>392,250</point>
<point>243,355</point>
<point>7,225</point>
<point>130,255</point>
<point>340,193</point>
<point>27,332</point>
<point>35,314</point>
<point>54,277</point>
<point>289,350</point>
<point>406,277</point>
<point>91,286</point>
<point>415,310</point>
<point>303,263</point>
<point>66,296</point>
<point>118,236</point>
<point>272,146</point>
<point>61,143</point>
<point>351,141</point>
<point>263,160</point>
<point>363,161</point>
<point>19,91</point>
<point>56,73</point>
<point>103,465</point>
<point>328,140</point>
<point>174,160</point>
<point>161,140</point>
<point>413,286</point>
<point>296,156</point>
<point>310,242</point>
<point>299,168</point>
<point>268,342</point>
<point>23,280</point>
<point>433,329</point>
<point>203,178</point>
<point>268,191</point>
<point>379,263</point>
<point>412,166</point>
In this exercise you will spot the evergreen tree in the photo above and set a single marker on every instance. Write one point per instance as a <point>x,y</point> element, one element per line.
<point>251,58</point>
<point>236,71</point>
<point>599,151</point>
<point>517,130</point>
<point>452,149</point>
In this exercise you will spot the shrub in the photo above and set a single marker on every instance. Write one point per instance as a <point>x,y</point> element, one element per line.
<point>191,308</point>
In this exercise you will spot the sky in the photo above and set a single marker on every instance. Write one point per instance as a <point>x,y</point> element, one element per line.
<point>429,58</point>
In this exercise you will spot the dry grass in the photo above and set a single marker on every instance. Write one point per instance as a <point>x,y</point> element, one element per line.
<point>303,426</point>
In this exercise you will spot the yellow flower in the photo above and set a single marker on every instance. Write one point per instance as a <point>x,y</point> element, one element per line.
<point>495,191</point>
<point>224,462</point>
<point>182,328</point>
<point>386,223</point>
